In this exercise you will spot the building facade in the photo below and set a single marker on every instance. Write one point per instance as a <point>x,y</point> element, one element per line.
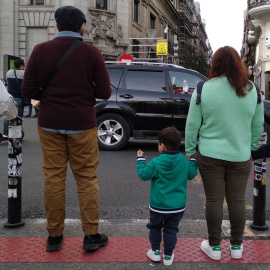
<point>256,43</point>
<point>116,27</point>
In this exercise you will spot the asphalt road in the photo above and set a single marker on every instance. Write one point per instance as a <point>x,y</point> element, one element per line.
<point>122,194</point>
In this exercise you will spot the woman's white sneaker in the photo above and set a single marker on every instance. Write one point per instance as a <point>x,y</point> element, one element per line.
<point>212,252</point>
<point>154,255</point>
<point>168,260</point>
<point>236,251</point>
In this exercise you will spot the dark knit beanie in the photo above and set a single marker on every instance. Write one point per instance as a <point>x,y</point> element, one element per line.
<point>69,15</point>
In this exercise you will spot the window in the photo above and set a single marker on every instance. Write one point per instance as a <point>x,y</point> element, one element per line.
<point>136,10</point>
<point>145,80</point>
<point>37,2</point>
<point>115,76</point>
<point>101,4</point>
<point>183,82</point>
<point>136,49</point>
<point>152,21</point>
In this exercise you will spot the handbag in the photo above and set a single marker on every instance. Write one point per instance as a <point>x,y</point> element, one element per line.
<point>25,100</point>
<point>36,103</point>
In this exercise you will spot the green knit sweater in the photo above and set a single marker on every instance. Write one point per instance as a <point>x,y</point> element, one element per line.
<point>229,126</point>
<point>169,174</point>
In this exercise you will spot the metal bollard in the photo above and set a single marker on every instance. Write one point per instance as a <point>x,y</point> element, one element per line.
<point>259,192</point>
<point>14,173</point>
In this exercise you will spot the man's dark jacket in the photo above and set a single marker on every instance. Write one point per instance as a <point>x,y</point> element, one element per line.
<point>262,152</point>
<point>69,100</point>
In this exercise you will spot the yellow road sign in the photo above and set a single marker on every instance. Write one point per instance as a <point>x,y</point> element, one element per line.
<point>162,47</point>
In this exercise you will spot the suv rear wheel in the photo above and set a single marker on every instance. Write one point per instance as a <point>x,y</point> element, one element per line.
<point>113,131</point>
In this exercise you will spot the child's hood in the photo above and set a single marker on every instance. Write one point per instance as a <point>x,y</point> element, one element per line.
<point>170,165</point>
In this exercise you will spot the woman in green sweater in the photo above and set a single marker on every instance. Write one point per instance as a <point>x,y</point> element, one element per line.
<point>229,122</point>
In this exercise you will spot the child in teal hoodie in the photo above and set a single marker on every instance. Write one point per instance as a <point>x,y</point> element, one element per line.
<point>169,174</point>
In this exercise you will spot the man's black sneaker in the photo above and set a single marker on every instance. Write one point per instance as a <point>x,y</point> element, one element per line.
<point>92,242</point>
<point>54,243</point>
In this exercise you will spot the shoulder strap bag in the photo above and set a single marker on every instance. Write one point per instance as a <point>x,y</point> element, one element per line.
<point>56,68</point>
<point>60,63</point>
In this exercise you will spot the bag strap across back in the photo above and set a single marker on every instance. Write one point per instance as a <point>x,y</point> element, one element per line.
<point>200,86</point>
<point>16,78</point>
<point>199,92</point>
<point>60,63</point>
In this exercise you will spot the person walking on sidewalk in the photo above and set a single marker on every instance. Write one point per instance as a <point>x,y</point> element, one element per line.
<point>169,174</point>
<point>14,88</point>
<point>229,119</point>
<point>67,123</point>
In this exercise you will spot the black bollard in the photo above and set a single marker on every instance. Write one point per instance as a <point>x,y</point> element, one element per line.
<point>259,192</point>
<point>14,174</point>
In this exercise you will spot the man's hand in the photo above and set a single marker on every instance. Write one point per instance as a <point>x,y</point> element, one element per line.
<point>140,153</point>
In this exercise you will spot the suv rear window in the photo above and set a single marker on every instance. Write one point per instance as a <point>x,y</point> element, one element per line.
<point>145,80</point>
<point>181,80</point>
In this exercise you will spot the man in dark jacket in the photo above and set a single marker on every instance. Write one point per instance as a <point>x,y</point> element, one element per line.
<point>67,123</point>
<point>262,152</point>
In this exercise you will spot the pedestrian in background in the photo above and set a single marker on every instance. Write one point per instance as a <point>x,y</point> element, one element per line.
<point>30,107</point>
<point>67,123</point>
<point>229,122</point>
<point>168,174</point>
<point>14,81</point>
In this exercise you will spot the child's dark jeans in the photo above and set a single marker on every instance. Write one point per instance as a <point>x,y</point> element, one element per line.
<point>169,223</point>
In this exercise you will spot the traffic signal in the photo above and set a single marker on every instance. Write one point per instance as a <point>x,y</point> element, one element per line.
<point>175,46</point>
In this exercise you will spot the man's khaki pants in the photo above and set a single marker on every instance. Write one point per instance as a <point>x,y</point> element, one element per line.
<point>81,150</point>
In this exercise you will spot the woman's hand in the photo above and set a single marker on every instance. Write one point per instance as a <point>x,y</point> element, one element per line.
<point>195,155</point>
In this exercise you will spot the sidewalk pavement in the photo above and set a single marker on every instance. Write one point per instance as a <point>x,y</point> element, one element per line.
<point>24,248</point>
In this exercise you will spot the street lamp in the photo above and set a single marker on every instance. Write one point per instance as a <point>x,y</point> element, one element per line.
<point>166,32</point>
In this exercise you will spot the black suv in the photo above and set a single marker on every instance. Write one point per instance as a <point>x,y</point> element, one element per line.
<point>145,99</point>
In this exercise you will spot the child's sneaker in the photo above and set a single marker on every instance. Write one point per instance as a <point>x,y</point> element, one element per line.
<point>236,251</point>
<point>168,260</point>
<point>212,252</point>
<point>154,255</point>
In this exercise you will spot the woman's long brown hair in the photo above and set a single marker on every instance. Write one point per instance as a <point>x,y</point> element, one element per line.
<point>227,62</point>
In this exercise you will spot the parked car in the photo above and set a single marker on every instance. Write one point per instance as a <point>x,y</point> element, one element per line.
<point>145,99</point>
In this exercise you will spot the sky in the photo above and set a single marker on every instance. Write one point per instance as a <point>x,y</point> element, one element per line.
<point>224,22</point>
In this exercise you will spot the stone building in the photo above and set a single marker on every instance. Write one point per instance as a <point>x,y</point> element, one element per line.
<point>256,43</point>
<point>192,28</point>
<point>114,26</point>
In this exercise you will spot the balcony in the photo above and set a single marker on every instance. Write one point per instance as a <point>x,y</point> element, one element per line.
<point>259,9</point>
<point>183,38</point>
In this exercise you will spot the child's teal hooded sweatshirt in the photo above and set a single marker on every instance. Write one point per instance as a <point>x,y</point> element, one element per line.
<point>169,174</point>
